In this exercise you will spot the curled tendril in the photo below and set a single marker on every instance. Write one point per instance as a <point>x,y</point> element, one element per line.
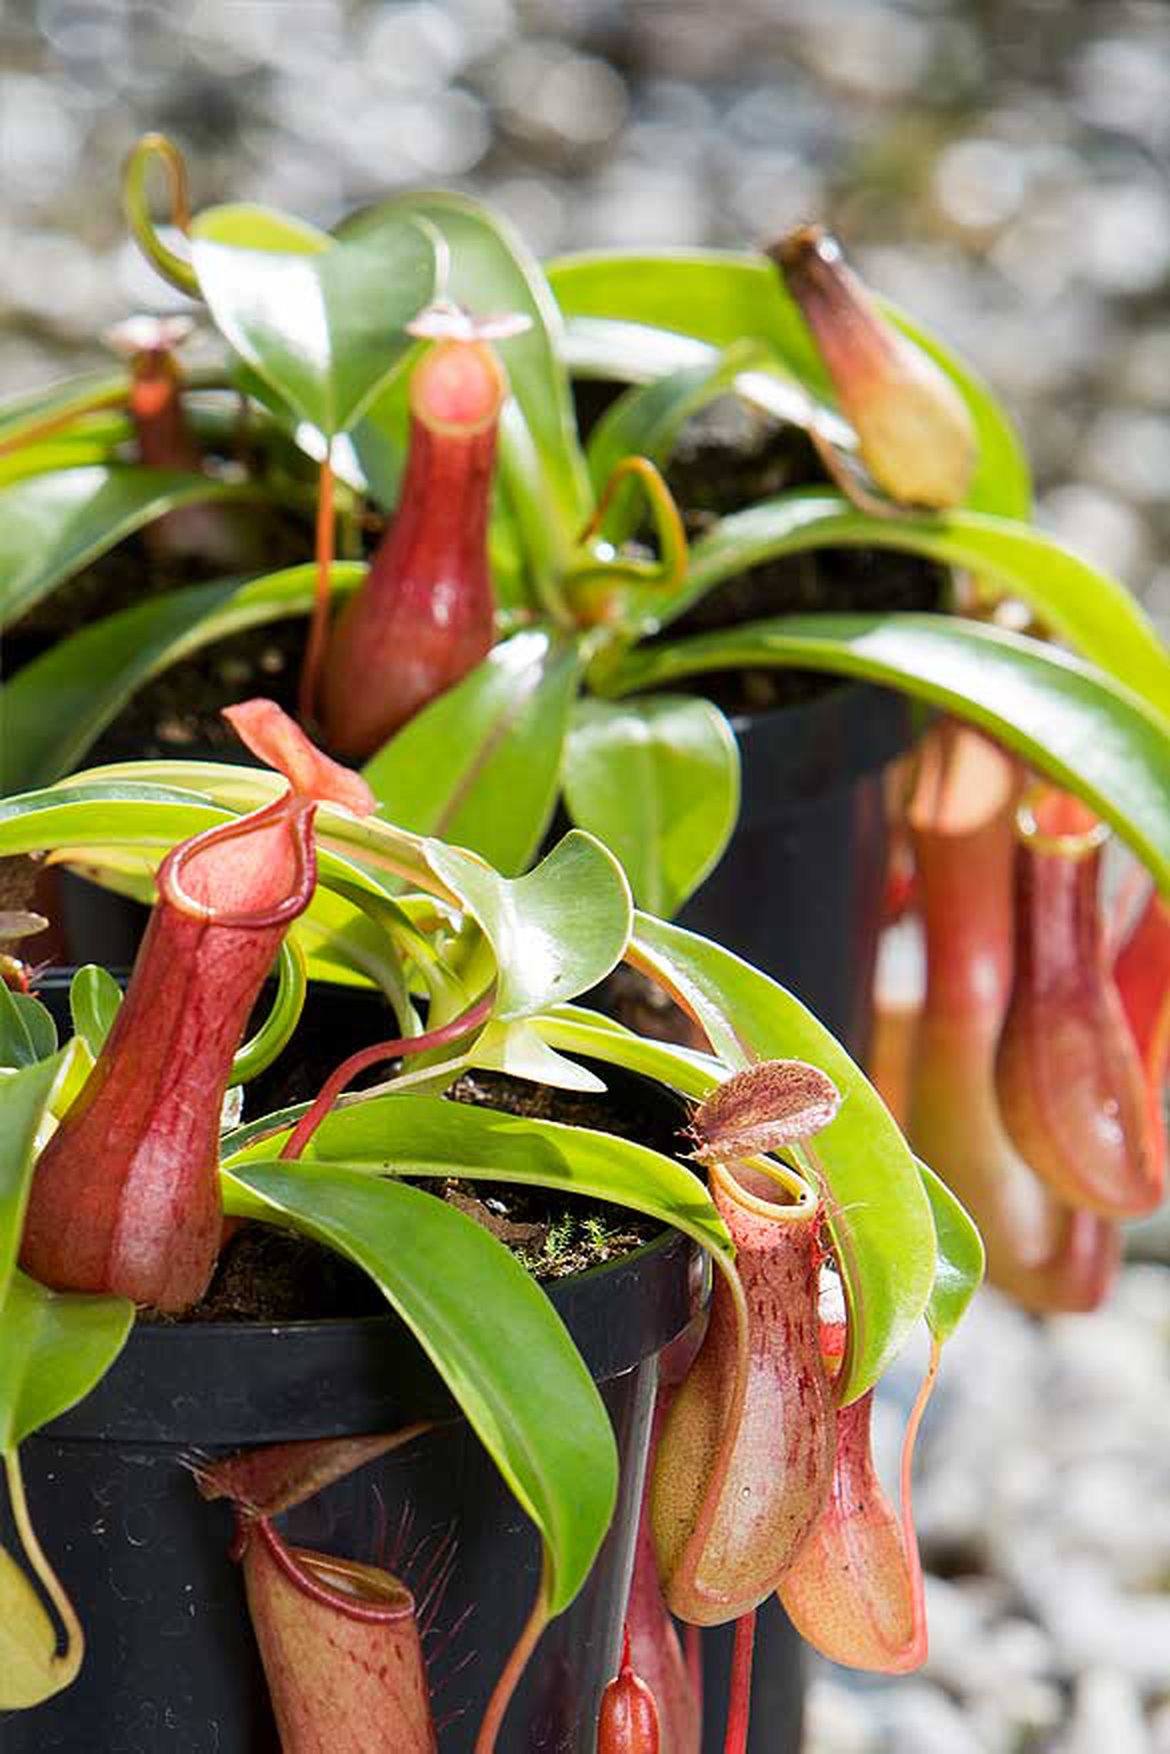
<point>473,1018</point>
<point>592,587</point>
<point>274,1034</point>
<point>137,208</point>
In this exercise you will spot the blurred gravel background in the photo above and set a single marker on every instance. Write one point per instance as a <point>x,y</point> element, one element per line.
<point>1001,167</point>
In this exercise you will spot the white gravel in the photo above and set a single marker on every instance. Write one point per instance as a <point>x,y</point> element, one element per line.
<point>1043,1498</point>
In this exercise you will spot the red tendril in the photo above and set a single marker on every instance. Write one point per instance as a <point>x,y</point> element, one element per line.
<point>459,1026</point>
<point>740,1702</point>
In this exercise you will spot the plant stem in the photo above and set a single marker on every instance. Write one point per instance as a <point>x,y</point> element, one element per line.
<point>319,626</point>
<point>513,1669</point>
<point>739,1705</point>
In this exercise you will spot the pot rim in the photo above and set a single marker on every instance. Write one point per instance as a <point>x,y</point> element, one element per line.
<point>233,1383</point>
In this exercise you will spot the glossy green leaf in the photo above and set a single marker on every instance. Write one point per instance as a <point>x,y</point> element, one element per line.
<point>657,780</point>
<point>522,1052</point>
<point>492,271</point>
<point>721,297</point>
<point>30,1670</point>
<point>27,1031</point>
<point>94,439</point>
<point>716,296</point>
<point>56,1346</point>
<point>1073,723</point>
<point>95,998</point>
<point>961,1260</point>
<point>319,319</point>
<point>54,708</point>
<point>24,1097</point>
<point>877,1210</point>
<point>55,524</point>
<point>576,1030</point>
<point>491,1333</point>
<point>129,805</point>
<point>556,932</point>
<point>23,417</point>
<point>630,353</point>
<point>409,1135</point>
<point>1085,606</point>
<point>646,421</point>
<point>102,814</point>
<point>53,1348</point>
<point>480,765</point>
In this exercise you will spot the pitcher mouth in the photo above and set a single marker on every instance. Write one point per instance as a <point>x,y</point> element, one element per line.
<point>1054,822</point>
<point>297,813</point>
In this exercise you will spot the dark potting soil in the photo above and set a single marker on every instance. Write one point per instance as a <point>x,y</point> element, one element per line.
<point>271,1275</point>
<point>178,712</point>
<point>730,456</point>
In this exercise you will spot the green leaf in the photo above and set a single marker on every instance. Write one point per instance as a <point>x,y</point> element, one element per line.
<point>722,297</point>
<point>646,421</point>
<point>556,932</point>
<point>707,295</point>
<point>125,806</point>
<point>102,815</point>
<point>22,417</point>
<point>94,439</point>
<point>29,1668</point>
<point>1002,482</point>
<point>658,781</point>
<point>54,708</point>
<point>959,1269</point>
<point>95,998</point>
<point>27,1031</point>
<point>522,1052</point>
<point>1071,722</point>
<point>577,1030</point>
<point>877,1210</point>
<point>409,1135</point>
<point>492,271</point>
<point>53,1348</point>
<point>480,765</point>
<point>491,1333</point>
<point>55,524</point>
<point>24,1097</point>
<point>321,320</point>
<point>1085,606</point>
<point>56,1346</point>
<point>630,353</point>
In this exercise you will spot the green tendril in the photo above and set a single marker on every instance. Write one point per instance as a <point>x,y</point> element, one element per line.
<point>275,1032</point>
<point>593,587</point>
<point>136,206</point>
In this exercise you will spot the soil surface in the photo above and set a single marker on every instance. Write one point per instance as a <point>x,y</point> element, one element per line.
<point>270,1275</point>
<point>730,457</point>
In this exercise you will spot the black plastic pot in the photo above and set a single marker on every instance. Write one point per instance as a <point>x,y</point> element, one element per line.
<point>171,1661</point>
<point>798,891</point>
